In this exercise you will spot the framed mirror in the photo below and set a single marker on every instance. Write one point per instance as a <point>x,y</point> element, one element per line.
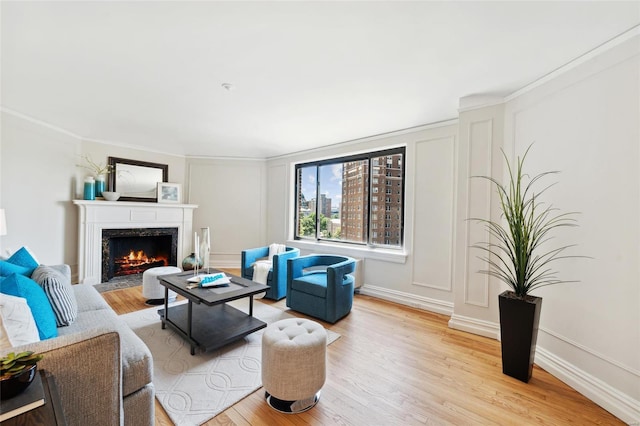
<point>136,180</point>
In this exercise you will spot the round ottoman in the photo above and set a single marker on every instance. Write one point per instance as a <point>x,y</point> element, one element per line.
<point>294,353</point>
<point>152,289</point>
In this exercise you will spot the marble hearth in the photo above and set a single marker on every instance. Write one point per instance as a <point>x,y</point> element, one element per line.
<point>96,216</point>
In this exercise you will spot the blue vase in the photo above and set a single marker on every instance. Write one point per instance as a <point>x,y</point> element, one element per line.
<point>100,186</point>
<point>189,262</point>
<point>89,189</point>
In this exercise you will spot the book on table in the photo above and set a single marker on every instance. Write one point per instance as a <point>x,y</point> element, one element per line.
<point>210,280</point>
<point>32,397</point>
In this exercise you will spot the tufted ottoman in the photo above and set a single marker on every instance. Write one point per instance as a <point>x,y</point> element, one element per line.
<point>152,289</point>
<point>294,353</point>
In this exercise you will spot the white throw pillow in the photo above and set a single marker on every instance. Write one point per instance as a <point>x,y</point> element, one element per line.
<point>18,326</point>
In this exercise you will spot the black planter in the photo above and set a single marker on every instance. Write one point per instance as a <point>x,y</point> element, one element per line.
<point>519,320</point>
<point>17,384</point>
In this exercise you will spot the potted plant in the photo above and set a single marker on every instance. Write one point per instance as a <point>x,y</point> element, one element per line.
<point>17,371</point>
<point>518,254</point>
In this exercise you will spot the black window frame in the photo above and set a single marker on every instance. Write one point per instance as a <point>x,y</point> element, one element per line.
<point>368,156</point>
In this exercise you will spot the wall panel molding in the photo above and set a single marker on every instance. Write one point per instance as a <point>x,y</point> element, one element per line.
<point>476,288</point>
<point>433,212</point>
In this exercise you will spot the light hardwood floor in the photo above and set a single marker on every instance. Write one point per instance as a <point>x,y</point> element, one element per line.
<point>395,365</point>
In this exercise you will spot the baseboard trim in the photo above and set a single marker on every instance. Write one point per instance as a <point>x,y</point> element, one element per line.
<point>407,299</point>
<point>475,326</point>
<point>619,404</point>
<point>234,264</point>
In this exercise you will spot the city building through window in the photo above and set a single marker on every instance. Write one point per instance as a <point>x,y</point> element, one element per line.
<point>335,199</point>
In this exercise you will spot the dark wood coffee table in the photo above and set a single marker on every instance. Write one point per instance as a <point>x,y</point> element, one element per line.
<point>206,321</point>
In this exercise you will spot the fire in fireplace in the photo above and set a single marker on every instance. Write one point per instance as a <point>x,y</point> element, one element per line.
<point>132,251</point>
<point>136,262</point>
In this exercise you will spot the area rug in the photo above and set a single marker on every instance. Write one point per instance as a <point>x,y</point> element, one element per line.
<point>193,389</point>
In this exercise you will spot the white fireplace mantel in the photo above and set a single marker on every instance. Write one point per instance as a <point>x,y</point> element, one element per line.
<point>98,215</point>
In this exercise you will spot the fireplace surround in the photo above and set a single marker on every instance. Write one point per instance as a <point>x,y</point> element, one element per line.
<point>134,250</point>
<point>119,217</point>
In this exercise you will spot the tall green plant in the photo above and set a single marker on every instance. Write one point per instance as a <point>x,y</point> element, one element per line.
<point>515,252</point>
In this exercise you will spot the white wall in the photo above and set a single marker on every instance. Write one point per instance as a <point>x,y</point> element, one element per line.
<point>40,177</point>
<point>100,152</point>
<point>586,124</point>
<point>231,195</point>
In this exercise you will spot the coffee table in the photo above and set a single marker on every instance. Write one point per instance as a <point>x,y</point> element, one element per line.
<point>206,321</point>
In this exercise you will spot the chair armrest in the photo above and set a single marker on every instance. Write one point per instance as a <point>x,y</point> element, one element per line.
<point>250,256</point>
<point>280,265</point>
<point>297,265</point>
<point>87,369</point>
<point>341,269</point>
<point>336,274</point>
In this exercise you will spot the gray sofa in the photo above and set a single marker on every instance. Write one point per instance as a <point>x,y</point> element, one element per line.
<point>103,371</point>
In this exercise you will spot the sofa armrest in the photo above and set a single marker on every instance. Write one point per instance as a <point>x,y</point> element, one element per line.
<point>86,367</point>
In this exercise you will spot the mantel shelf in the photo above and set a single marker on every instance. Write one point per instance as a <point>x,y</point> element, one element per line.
<point>105,203</point>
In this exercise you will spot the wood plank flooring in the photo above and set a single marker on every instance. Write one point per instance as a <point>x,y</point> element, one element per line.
<point>396,365</point>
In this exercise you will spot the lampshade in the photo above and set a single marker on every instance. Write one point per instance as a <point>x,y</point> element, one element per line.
<point>3,223</point>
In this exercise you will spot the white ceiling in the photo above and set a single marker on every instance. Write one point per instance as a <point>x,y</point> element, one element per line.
<point>306,74</point>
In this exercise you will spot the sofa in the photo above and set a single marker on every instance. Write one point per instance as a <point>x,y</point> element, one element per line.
<point>103,371</point>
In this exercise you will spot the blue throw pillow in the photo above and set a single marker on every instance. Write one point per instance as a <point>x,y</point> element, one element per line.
<point>8,268</point>
<point>23,257</point>
<point>21,286</point>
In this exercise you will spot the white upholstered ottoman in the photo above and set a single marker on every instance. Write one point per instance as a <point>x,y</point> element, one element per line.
<point>294,353</point>
<point>152,290</point>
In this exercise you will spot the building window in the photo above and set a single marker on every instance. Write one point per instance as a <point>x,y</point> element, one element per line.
<point>333,200</point>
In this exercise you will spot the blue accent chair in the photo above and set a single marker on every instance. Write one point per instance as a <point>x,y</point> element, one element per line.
<point>321,285</point>
<point>277,278</point>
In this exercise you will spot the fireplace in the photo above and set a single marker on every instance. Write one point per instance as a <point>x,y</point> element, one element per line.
<point>98,215</point>
<point>134,250</point>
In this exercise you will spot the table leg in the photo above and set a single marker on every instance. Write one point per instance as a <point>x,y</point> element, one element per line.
<point>166,307</point>
<point>189,317</point>
<point>251,305</point>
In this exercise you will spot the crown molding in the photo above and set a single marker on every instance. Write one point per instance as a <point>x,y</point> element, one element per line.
<point>607,45</point>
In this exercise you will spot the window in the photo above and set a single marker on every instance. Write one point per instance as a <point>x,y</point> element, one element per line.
<point>336,199</point>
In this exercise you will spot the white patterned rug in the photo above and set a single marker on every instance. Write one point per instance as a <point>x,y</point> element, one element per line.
<point>193,389</point>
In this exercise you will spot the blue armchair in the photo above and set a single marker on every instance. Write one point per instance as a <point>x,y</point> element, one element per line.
<point>324,293</point>
<point>277,278</point>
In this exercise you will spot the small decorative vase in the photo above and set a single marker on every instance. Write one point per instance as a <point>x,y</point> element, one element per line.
<point>205,247</point>
<point>17,384</point>
<point>100,185</point>
<point>89,188</point>
<point>189,262</point>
